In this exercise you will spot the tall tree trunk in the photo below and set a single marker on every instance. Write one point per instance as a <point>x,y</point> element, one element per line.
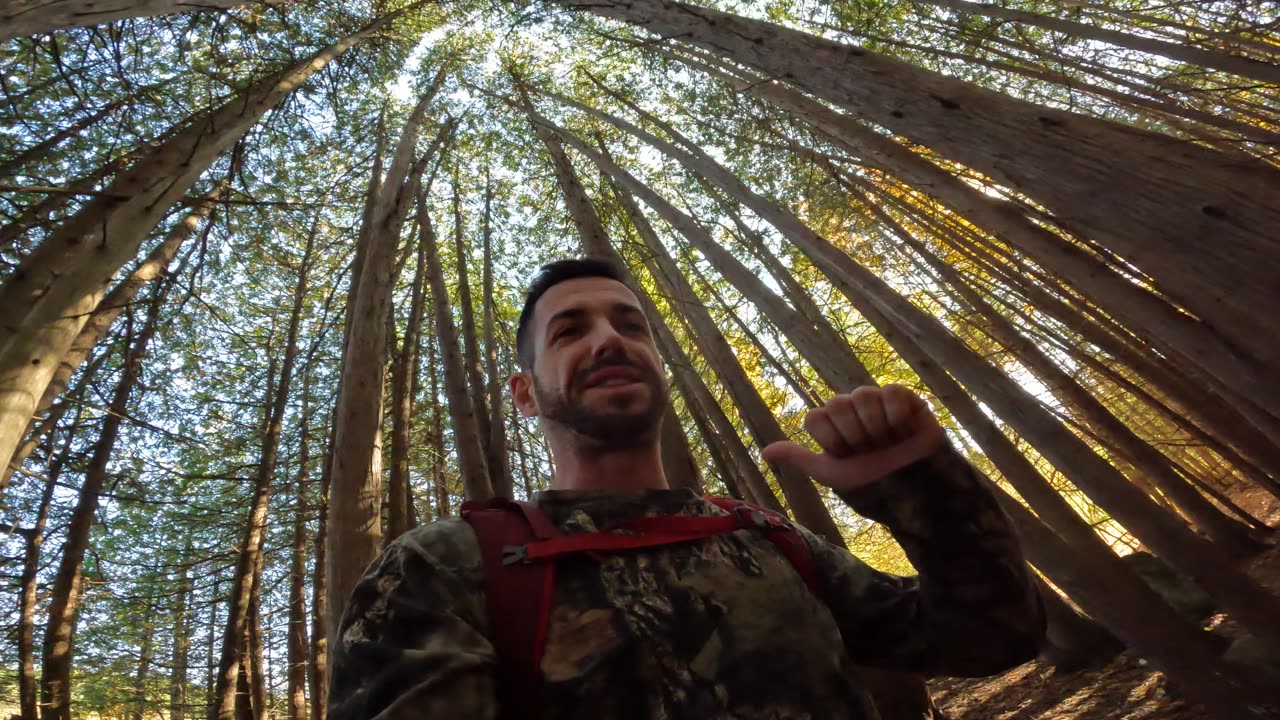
<point>253,656</point>
<point>677,457</point>
<point>55,673</point>
<point>470,338</point>
<point>403,379</point>
<point>1148,461</point>
<point>466,429</point>
<point>1188,187</point>
<point>25,158</point>
<point>34,17</point>
<point>55,289</point>
<point>355,531</point>
<point>249,557</point>
<point>181,642</point>
<point>498,458</point>
<point>139,703</point>
<point>440,492</point>
<point>29,583</point>
<point>318,670</point>
<point>1119,295</point>
<point>1264,72</point>
<point>806,504</point>
<point>296,660</point>
<point>1235,591</point>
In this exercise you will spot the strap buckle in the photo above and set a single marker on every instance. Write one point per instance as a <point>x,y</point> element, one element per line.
<point>515,554</point>
<point>755,517</point>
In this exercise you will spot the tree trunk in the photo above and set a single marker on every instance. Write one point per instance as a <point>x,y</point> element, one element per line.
<point>1073,555</point>
<point>827,353</point>
<point>470,338</point>
<point>498,458</point>
<point>403,379</point>
<point>677,457</point>
<point>355,532</point>
<point>55,675</point>
<point>253,648</point>
<point>1187,195</point>
<point>318,675</point>
<point>29,585</point>
<point>296,661</point>
<point>139,704</point>
<point>37,214</point>
<point>154,266</point>
<point>240,601</point>
<point>1148,461</point>
<point>440,492</point>
<point>805,502</point>
<point>181,643</point>
<point>34,17</point>
<point>1264,72</point>
<point>1233,590</point>
<point>466,430</point>
<point>54,290</point>
<point>25,158</point>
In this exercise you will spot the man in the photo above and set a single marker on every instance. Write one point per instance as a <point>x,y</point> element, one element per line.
<point>719,628</point>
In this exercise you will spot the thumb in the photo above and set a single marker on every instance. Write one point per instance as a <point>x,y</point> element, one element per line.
<point>793,454</point>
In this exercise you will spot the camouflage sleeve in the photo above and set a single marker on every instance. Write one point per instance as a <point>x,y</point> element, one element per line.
<point>412,643</point>
<point>973,610</point>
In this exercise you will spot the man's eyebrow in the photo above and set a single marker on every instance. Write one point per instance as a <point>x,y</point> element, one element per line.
<point>628,308</point>
<point>566,314</point>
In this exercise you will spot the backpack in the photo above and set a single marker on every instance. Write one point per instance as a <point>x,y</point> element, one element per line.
<point>519,544</point>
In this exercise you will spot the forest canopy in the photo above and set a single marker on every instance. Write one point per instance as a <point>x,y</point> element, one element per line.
<point>261,264</point>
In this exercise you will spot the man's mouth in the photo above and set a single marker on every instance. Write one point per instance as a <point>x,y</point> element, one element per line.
<point>612,377</point>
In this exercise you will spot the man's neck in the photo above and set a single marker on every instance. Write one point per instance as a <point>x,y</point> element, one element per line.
<point>623,471</point>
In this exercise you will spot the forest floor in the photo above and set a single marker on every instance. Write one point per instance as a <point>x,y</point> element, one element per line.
<point>1127,688</point>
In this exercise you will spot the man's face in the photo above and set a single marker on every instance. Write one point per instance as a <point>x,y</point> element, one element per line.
<point>596,370</point>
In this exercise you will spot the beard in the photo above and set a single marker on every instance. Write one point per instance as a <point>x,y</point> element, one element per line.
<point>616,423</point>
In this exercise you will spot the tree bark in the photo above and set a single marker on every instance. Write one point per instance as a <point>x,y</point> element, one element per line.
<point>470,338</point>
<point>34,17</point>
<point>253,658</point>
<point>805,502</point>
<point>240,601</point>
<point>1244,67</point>
<point>25,158</point>
<point>181,643</point>
<point>1147,460</point>
<point>55,674</point>
<point>296,660</point>
<point>54,290</point>
<point>29,585</point>
<point>1189,192</point>
<point>355,531</point>
<point>403,380</point>
<point>466,429</point>
<point>498,458</point>
<point>677,457</point>
<point>145,649</point>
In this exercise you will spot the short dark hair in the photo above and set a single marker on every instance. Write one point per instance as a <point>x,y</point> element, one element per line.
<point>550,275</point>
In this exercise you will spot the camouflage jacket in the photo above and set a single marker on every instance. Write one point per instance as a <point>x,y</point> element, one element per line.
<point>721,628</point>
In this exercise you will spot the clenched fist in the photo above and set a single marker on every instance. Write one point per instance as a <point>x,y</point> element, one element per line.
<point>864,436</point>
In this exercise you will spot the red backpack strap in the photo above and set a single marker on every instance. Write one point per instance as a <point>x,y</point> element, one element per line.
<point>518,596</point>
<point>783,536</point>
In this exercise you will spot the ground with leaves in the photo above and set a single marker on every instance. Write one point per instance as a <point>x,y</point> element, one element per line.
<point>1127,688</point>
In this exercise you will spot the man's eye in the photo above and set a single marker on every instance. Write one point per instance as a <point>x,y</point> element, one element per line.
<point>564,332</point>
<point>634,326</point>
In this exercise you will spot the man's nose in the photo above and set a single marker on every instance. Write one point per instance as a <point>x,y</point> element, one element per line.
<point>605,342</point>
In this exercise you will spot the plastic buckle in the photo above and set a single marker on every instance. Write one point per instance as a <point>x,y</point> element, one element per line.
<point>514,554</point>
<point>753,517</point>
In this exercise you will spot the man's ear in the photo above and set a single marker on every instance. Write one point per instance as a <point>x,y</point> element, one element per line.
<point>521,384</point>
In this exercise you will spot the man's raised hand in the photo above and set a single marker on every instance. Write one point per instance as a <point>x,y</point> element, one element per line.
<point>864,436</point>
